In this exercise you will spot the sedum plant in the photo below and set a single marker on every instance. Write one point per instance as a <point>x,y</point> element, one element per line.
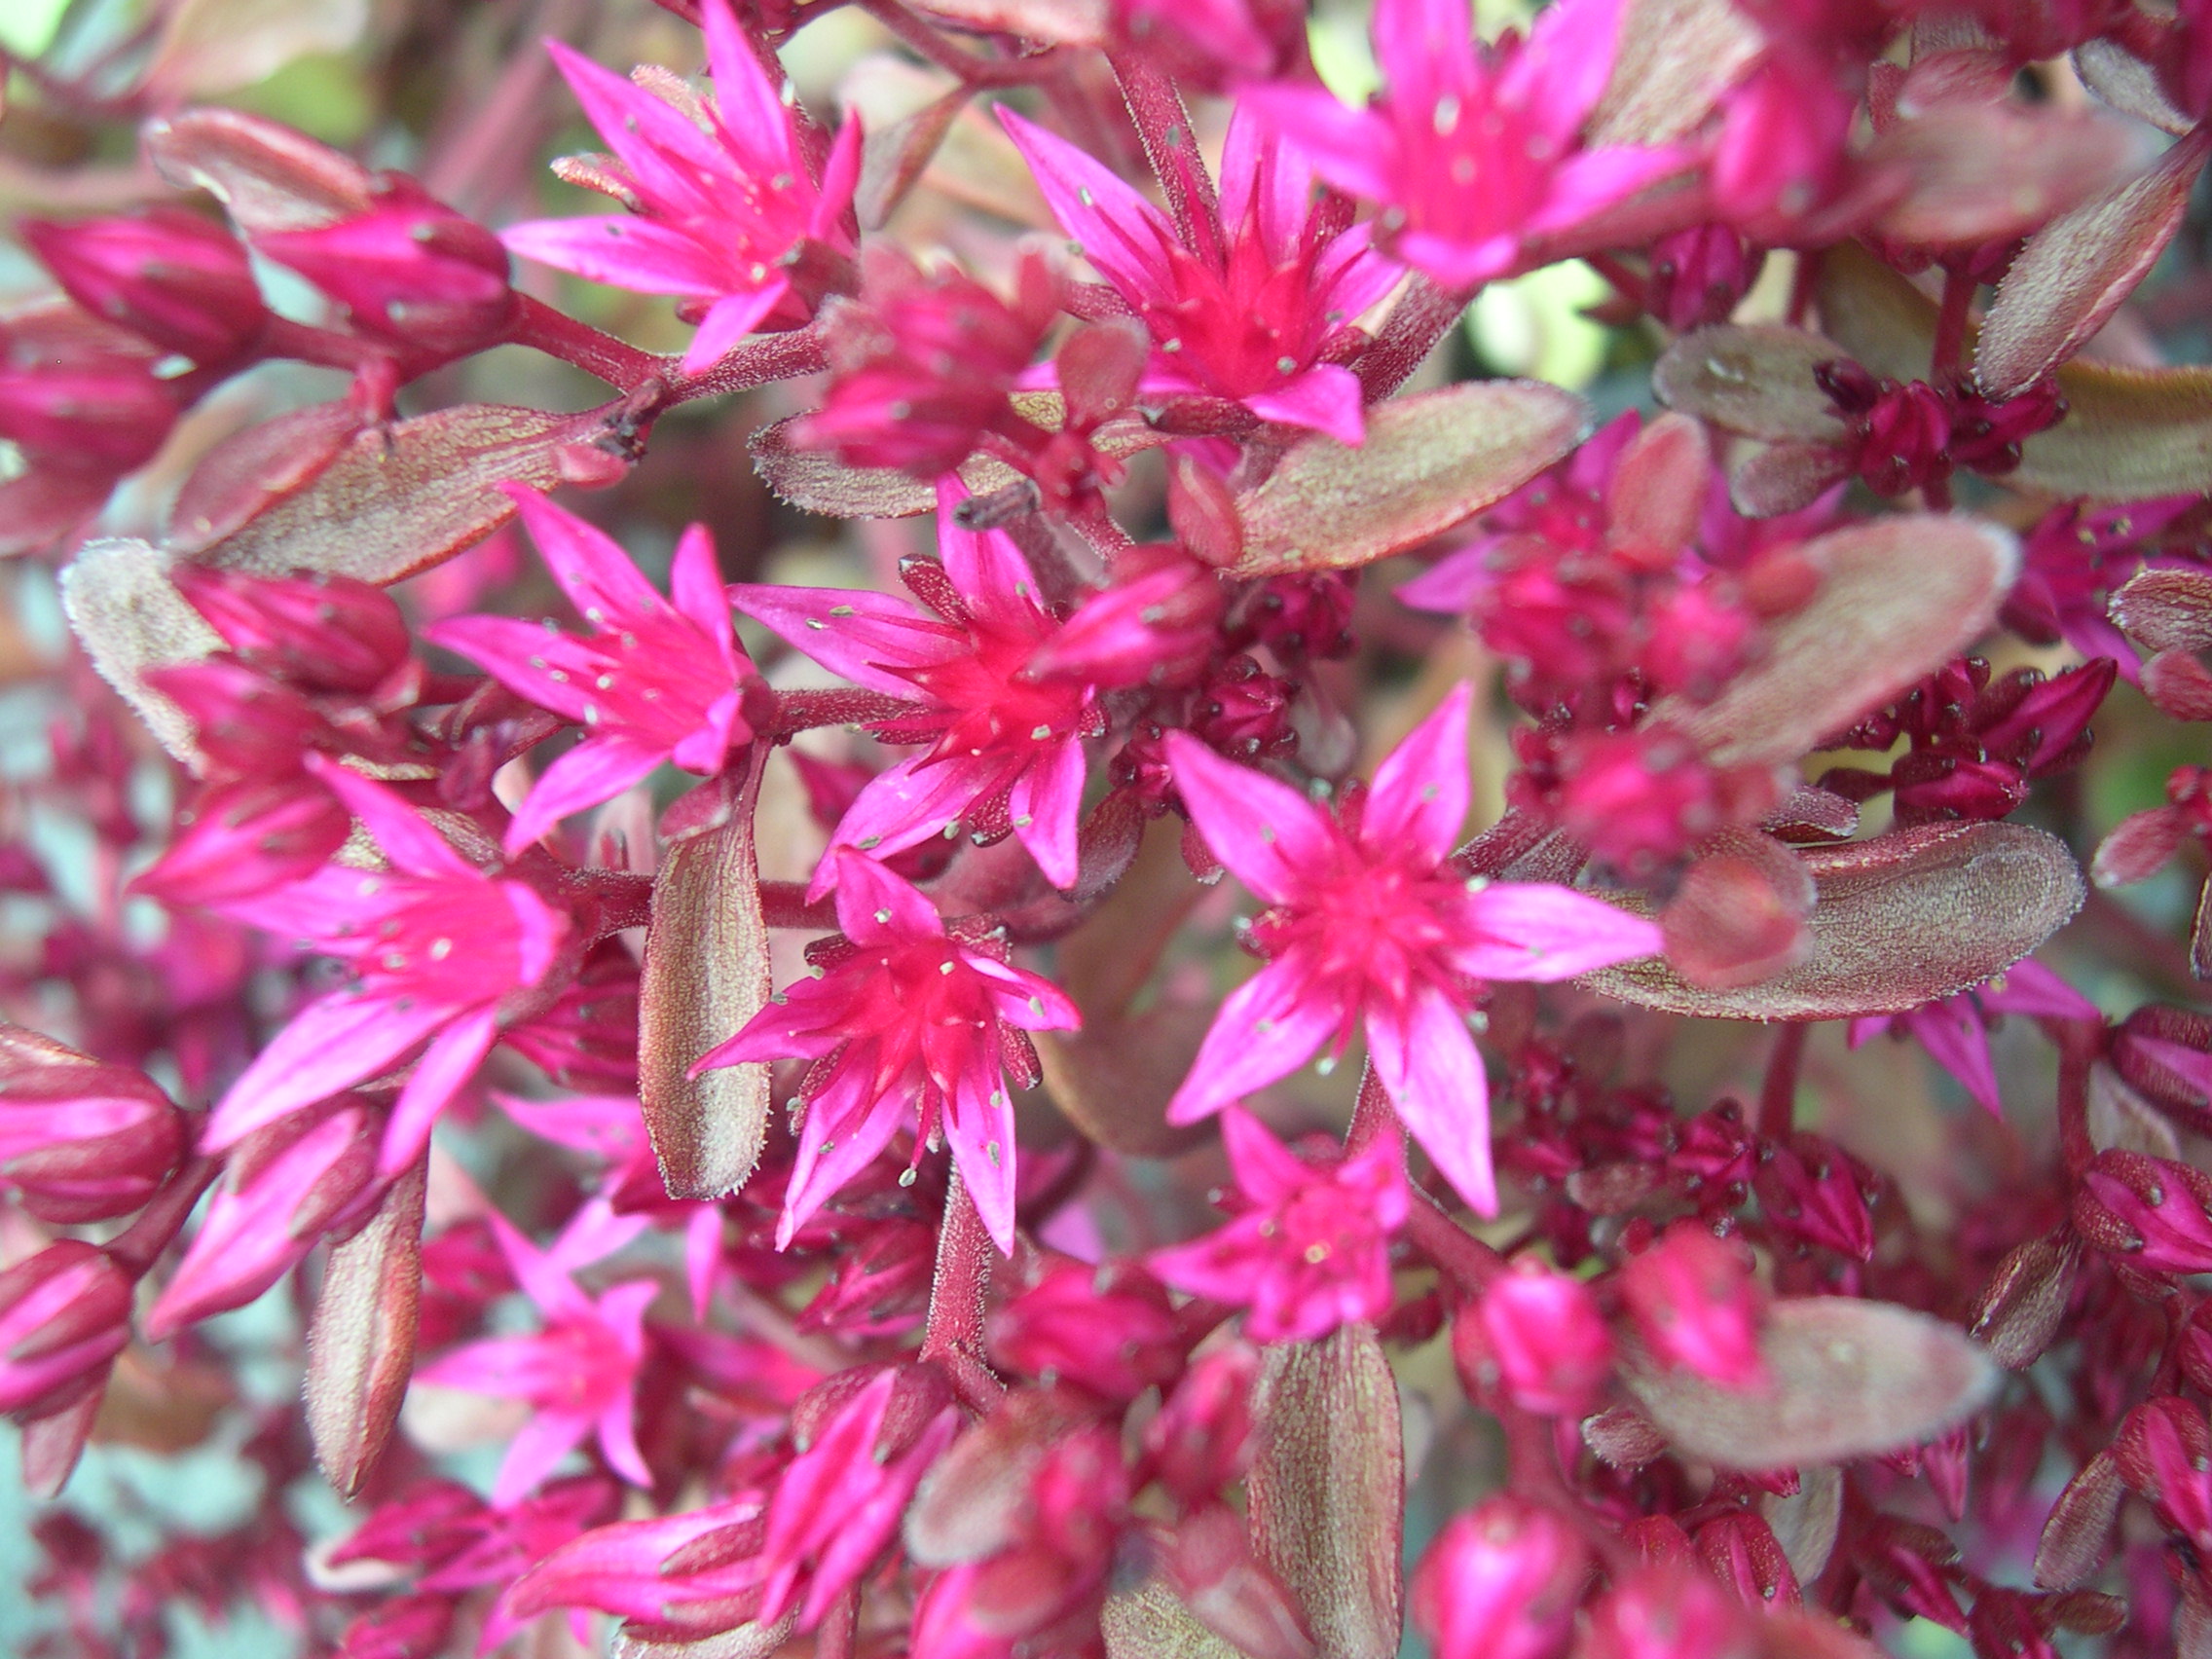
<point>907,874</point>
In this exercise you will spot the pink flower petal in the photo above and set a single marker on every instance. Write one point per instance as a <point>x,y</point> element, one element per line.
<point>1325,398</point>
<point>986,567</point>
<point>622,251</point>
<point>332,1044</point>
<point>1426,1059</point>
<point>980,1128</point>
<point>1046,803</point>
<point>547,1437</point>
<point>1268,1028</point>
<point>602,580</point>
<point>847,1124</point>
<point>1419,795</point>
<point>1275,840</point>
<point>858,635</point>
<point>903,806</point>
<point>1120,233</point>
<point>446,1066</point>
<point>728,320</point>
<point>1953,1033</point>
<point>1541,932</point>
<point>596,770</point>
<point>406,837</point>
<point>874,906</point>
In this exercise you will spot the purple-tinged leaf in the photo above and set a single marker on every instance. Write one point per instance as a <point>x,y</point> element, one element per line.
<point>1674,60</point>
<point>1876,317</point>
<point>1430,461</point>
<point>1984,171</point>
<point>2018,1311</point>
<point>2167,611</point>
<point>1756,381</point>
<point>2179,685</point>
<point>2128,434</point>
<point>2128,83</point>
<point>252,470</point>
<point>399,498</point>
<point>1150,1622</point>
<point>1805,1521</point>
<point>1849,1379</point>
<point>2074,273</point>
<point>271,177</point>
<point>706,974</point>
<point>130,618</point>
<point>1900,920</point>
<point>746,1641</point>
<point>1782,478</point>
<point>53,1444</point>
<point>361,1335</point>
<point>2074,1538</point>
<point>1898,598</point>
<point>1327,1491</point>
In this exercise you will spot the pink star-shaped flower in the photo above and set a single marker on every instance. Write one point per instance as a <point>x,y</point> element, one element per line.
<point>1367,921</point>
<point>655,680</point>
<point>913,1023</point>
<point>722,202</point>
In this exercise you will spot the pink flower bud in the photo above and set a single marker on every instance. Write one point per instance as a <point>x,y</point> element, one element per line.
<point>921,366</point>
<point>1814,1190</point>
<point>1743,1553</point>
<point>1200,1440</point>
<point>1933,785</point>
<point>240,839</point>
<point>2164,1451</point>
<point>80,1141</point>
<point>1666,1613</point>
<point>320,632</point>
<point>1539,1334</point>
<point>2165,1054</point>
<point>180,282</point>
<point>410,271</point>
<point>1155,625</point>
<point>1106,1330</point>
<point>1696,1304</point>
<point>283,1189</point>
<point>1501,1582</point>
<point>79,394</point>
<point>1699,274</point>
<point>2151,1213</point>
<point>245,724</point>
<point>405,1627</point>
<point>64,1313</point>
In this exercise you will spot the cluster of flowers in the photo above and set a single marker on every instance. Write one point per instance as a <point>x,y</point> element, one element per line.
<point>804,1101</point>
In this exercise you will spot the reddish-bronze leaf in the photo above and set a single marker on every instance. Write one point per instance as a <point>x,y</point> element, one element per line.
<point>2167,611</point>
<point>1114,1077</point>
<point>1806,1522</point>
<point>2073,273</point>
<point>2072,1548</point>
<point>399,498</point>
<point>269,176</point>
<point>129,617</point>
<point>1900,920</point>
<point>1756,381</point>
<point>1429,461</point>
<point>1327,1492</point>
<point>1898,598</point>
<point>2128,434</point>
<point>361,1337</point>
<point>1784,477</point>
<point>1879,320</point>
<point>2128,85</point>
<point>1675,59</point>
<point>1851,1380</point>
<point>1982,171</point>
<point>1149,1622</point>
<point>706,973</point>
<point>2018,1311</point>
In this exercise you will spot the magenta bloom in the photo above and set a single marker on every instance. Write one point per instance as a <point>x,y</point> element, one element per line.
<point>1366,920</point>
<point>911,1023</point>
<point>655,680</point>
<point>438,948</point>
<point>1955,1032</point>
<point>723,204</point>
<point>1312,1251</point>
<point>1474,153</point>
<point>580,1374</point>
<point>1005,736</point>
<point>1252,308</point>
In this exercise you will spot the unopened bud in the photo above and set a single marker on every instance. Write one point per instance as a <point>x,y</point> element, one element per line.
<point>241,839</point>
<point>316,632</point>
<point>2151,1213</point>
<point>1696,1304</point>
<point>174,279</point>
<point>1501,1582</point>
<point>1539,1335</point>
<point>80,1141</point>
<point>64,1313</point>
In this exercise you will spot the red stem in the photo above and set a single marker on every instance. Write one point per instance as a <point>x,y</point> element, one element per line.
<point>2079,1042</point>
<point>1422,317</point>
<point>1778,1095</point>
<point>163,1216</point>
<point>1455,1252</point>
<point>555,333</point>
<point>1951,321</point>
<point>972,70</point>
<point>955,1331</point>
